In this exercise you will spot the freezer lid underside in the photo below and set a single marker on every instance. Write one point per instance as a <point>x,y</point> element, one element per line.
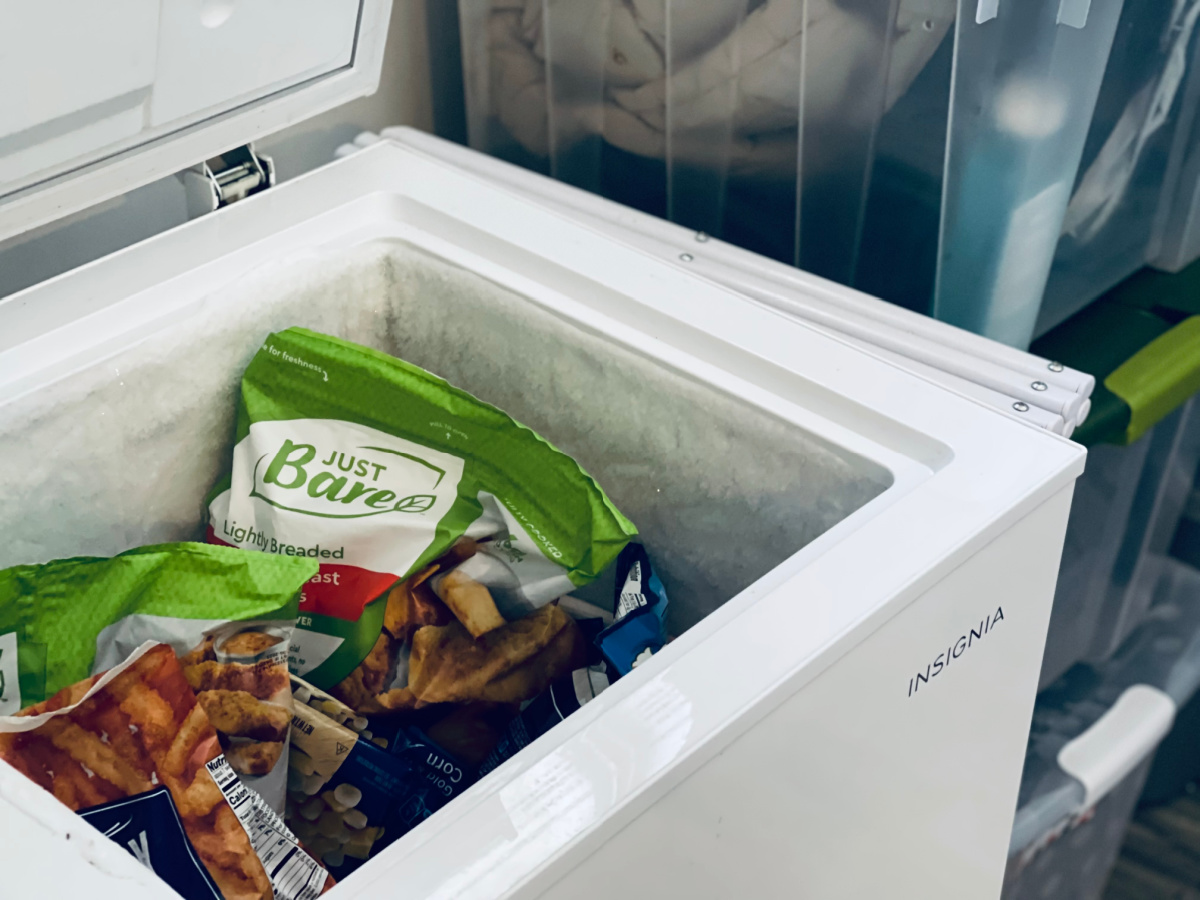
<point>156,88</point>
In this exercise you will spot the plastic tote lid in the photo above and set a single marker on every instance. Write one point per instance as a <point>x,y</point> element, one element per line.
<point>102,98</point>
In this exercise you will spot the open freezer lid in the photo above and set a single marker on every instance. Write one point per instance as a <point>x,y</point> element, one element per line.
<point>111,96</point>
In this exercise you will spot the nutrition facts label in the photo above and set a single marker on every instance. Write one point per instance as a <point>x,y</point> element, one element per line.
<point>294,874</point>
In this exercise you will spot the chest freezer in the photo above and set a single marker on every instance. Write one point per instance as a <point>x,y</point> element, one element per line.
<point>861,562</point>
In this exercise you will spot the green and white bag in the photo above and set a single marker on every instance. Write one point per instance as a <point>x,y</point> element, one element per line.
<point>65,620</point>
<point>228,614</point>
<point>373,468</point>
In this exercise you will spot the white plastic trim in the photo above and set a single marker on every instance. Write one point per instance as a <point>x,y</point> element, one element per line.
<point>993,373</point>
<point>915,335</point>
<point>1074,13</point>
<point>986,10</point>
<point>1118,742</point>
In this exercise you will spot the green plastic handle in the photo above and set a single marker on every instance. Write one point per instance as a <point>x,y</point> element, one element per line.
<point>1159,377</point>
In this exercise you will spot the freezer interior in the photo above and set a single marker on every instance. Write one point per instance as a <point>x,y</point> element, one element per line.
<point>121,451</point>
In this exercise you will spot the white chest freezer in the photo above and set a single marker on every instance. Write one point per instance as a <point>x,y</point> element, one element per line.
<point>861,562</point>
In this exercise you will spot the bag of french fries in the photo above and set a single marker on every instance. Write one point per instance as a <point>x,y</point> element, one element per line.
<point>425,508</point>
<point>228,615</point>
<point>135,753</point>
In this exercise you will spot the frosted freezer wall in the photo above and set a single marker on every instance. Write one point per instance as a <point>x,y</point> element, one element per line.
<point>923,150</point>
<point>692,465</point>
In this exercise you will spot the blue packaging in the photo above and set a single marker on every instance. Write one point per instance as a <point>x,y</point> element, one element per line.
<point>348,797</point>
<point>562,698</point>
<point>149,827</point>
<point>444,774</point>
<point>639,615</point>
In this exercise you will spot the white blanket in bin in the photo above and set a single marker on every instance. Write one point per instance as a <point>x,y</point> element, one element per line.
<point>737,68</point>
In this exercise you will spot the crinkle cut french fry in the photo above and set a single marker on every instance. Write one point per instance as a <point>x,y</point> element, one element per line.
<point>194,729</point>
<point>199,798</point>
<point>91,751</point>
<point>149,713</point>
<point>238,875</point>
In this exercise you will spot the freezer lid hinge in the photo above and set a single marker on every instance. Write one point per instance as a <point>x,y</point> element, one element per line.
<point>226,179</point>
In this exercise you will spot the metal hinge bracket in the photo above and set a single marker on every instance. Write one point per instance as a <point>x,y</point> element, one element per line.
<point>226,179</point>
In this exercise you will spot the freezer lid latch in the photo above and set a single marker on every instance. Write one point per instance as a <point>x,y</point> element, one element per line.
<point>226,179</point>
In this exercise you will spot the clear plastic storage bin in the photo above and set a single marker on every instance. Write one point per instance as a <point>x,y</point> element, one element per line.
<point>1136,187</point>
<point>1092,741</point>
<point>925,149</point>
<point>1186,543</point>
<point>1180,235</point>
<point>1124,515</point>
<point>1077,864</point>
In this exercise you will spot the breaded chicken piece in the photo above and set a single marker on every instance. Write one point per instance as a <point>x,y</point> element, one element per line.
<point>240,714</point>
<point>249,643</point>
<point>254,757</point>
<point>510,664</point>
<point>265,682</point>
<point>371,676</point>
<point>471,603</point>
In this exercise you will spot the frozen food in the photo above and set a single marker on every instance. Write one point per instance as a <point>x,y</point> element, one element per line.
<point>511,664</point>
<point>639,620</point>
<point>229,615</point>
<point>448,775</point>
<point>348,795</point>
<point>562,698</point>
<point>420,504</point>
<point>123,736</point>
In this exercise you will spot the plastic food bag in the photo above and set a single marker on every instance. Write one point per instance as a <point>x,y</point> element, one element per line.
<point>375,469</point>
<point>639,620</point>
<point>445,773</point>
<point>467,733</point>
<point>561,699</point>
<point>348,796</point>
<point>228,614</point>
<point>117,739</point>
